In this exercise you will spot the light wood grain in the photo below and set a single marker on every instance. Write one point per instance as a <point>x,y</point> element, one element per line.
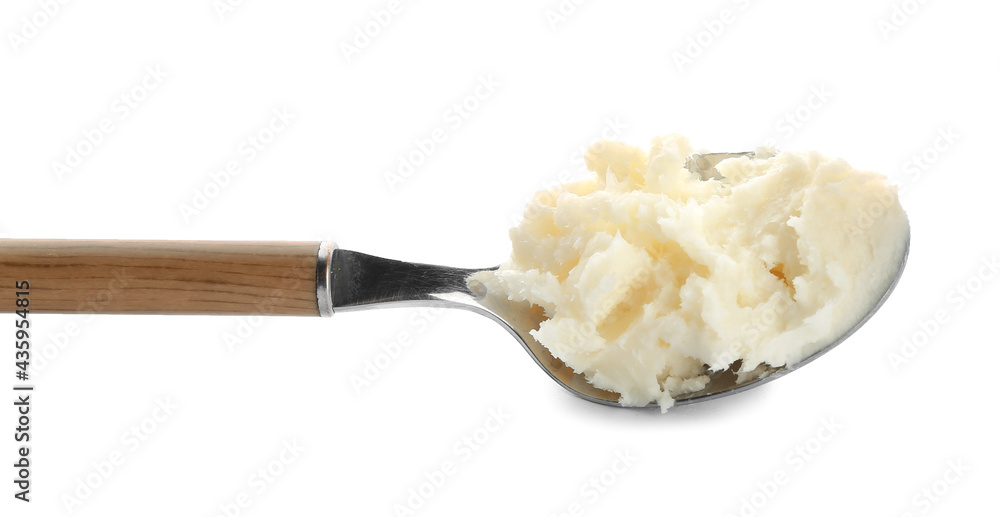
<point>161,277</point>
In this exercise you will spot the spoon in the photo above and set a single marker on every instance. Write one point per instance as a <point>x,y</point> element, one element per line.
<point>307,279</point>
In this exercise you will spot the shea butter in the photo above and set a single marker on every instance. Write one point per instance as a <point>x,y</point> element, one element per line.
<point>650,276</point>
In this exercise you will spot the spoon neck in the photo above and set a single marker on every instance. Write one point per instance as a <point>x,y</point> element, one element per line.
<point>360,281</point>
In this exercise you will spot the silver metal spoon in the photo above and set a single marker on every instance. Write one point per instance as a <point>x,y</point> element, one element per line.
<point>359,281</point>
<point>303,279</point>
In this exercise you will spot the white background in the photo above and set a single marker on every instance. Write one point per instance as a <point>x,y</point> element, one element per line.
<point>890,91</point>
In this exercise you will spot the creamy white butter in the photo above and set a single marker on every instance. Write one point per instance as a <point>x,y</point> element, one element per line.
<point>647,273</point>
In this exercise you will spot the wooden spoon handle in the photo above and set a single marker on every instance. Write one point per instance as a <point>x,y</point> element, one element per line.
<point>161,277</point>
